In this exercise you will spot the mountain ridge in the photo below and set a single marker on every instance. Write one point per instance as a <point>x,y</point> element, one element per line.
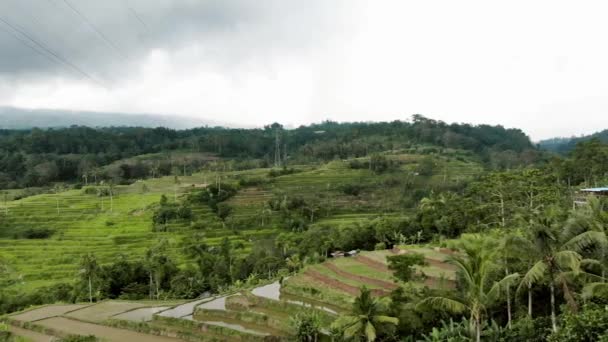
<point>21,118</point>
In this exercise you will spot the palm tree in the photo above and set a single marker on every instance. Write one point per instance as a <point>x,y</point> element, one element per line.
<point>88,270</point>
<point>520,247</point>
<point>587,229</point>
<point>294,263</point>
<point>555,263</point>
<point>306,325</point>
<point>479,291</point>
<point>507,253</point>
<point>367,318</point>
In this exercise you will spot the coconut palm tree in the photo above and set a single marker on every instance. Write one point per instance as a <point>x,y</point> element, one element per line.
<point>555,263</point>
<point>479,291</point>
<point>306,325</point>
<point>520,248</point>
<point>367,319</point>
<point>587,230</point>
<point>507,252</point>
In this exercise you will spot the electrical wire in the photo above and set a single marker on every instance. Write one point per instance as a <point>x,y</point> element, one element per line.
<point>94,28</point>
<point>137,16</point>
<point>56,57</point>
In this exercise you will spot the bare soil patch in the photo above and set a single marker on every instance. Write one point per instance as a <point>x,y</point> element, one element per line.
<point>372,263</point>
<point>363,279</point>
<point>350,289</point>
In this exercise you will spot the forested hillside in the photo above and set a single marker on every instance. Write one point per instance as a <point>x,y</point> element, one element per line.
<point>566,145</point>
<point>39,157</point>
<point>445,232</point>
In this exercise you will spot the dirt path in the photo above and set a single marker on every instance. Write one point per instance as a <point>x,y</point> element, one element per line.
<point>350,289</point>
<point>30,335</point>
<point>363,279</point>
<point>71,326</point>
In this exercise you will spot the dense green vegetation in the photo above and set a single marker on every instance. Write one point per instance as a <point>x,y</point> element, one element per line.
<point>78,154</point>
<point>471,232</point>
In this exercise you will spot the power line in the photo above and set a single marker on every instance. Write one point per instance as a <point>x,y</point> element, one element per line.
<point>94,28</point>
<point>136,15</point>
<point>57,57</point>
<point>24,42</point>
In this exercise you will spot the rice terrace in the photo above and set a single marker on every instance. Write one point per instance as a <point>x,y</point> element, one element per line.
<point>303,171</point>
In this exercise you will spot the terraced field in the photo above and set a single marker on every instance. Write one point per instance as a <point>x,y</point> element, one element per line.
<point>247,315</point>
<point>84,223</point>
<point>338,281</point>
<point>122,225</point>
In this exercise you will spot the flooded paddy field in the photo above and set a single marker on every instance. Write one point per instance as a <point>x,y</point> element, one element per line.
<point>104,310</point>
<point>71,326</point>
<point>46,312</point>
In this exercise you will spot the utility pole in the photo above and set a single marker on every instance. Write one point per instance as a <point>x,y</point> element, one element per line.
<point>57,198</point>
<point>111,197</point>
<point>285,154</point>
<point>277,148</point>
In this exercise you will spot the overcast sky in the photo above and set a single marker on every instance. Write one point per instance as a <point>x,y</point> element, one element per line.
<point>537,65</point>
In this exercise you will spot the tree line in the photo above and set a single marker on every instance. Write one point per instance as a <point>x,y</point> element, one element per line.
<point>39,157</point>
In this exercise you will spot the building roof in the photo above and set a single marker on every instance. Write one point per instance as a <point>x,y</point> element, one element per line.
<point>605,189</point>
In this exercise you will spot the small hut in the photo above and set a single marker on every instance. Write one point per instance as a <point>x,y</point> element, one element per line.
<point>582,196</point>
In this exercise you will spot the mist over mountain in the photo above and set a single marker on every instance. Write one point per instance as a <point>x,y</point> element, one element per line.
<point>19,118</point>
<point>564,145</point>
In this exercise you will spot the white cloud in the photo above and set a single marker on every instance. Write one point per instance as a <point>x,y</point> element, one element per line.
<point>539,66</point>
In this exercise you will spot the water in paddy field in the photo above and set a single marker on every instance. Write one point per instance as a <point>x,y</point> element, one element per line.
<point>273,291</point>
<point>216,304</point>
<point>183,310</point>
<point>141,315</point>
<point>270,291</point>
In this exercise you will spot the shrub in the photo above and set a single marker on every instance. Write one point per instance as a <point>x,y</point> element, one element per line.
<point>529,330</point>
<point>352,189</point>
<point>37,233</point>
<point>380,246</point>
<point>426,167</point>
<point>589,324</point>
<point>252,181</point>
<point>282,172</point>
<point>89,190</point>
<point>403,265</point>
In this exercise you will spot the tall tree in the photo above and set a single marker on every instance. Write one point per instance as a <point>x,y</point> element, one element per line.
<point>158,264</point>
<point>479,290</point>
<point>555,263</point>
<point>89,270</point>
